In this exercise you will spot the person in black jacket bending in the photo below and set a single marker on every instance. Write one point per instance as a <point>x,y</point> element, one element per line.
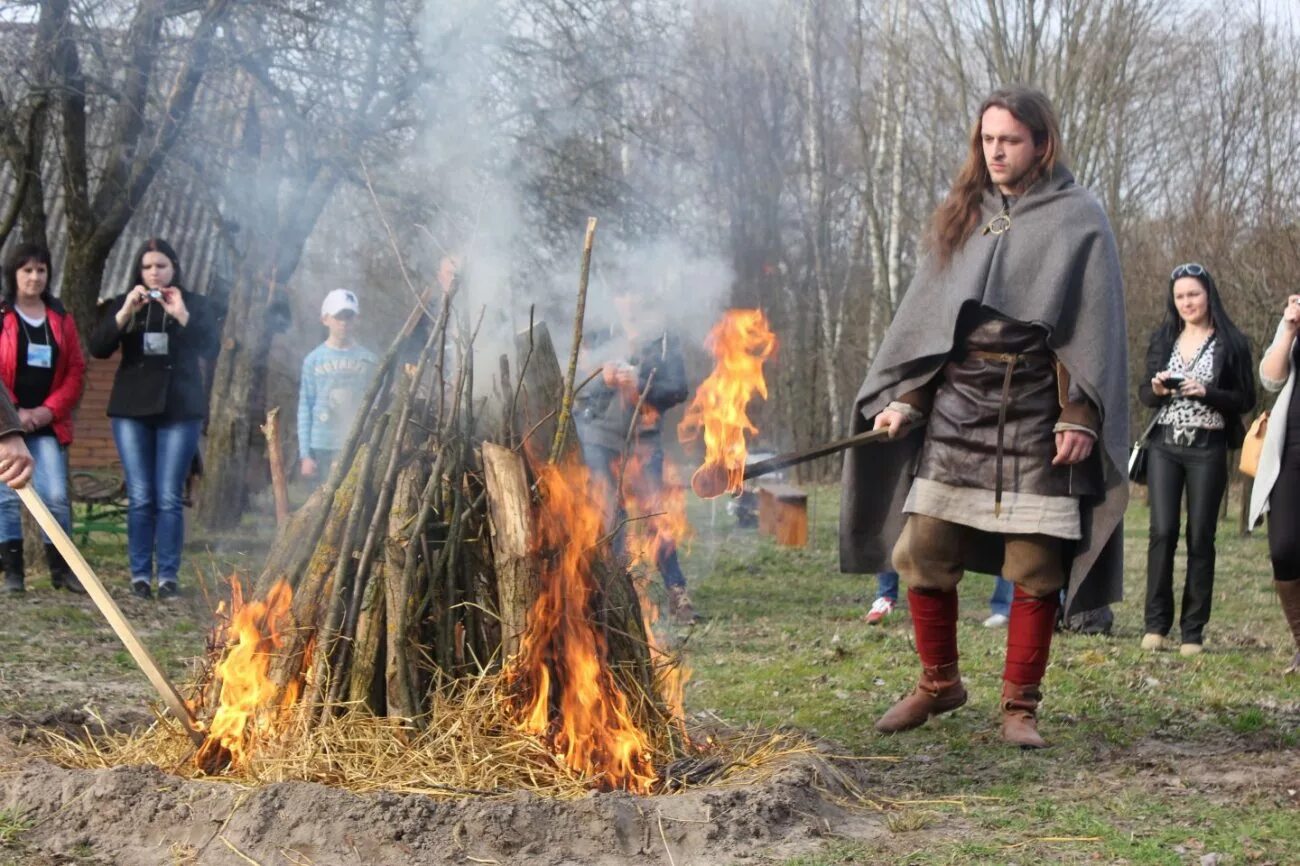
<point>613,415</point>
<point>157,405</point>
<point>1200,380</point>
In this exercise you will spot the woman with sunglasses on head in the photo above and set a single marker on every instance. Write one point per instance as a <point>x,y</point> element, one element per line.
<point>1277,481</point>
<point>43,372</point>
<point>157,405</point>
<point>1200,381</point>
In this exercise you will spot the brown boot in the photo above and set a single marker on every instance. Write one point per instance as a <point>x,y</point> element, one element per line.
<point>939,691</point>
<point>1288,591</point>
<point>1020,716</point>
<point>680,607</point>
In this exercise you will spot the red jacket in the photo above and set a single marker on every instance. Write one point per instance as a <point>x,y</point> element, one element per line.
<point>69,368</point>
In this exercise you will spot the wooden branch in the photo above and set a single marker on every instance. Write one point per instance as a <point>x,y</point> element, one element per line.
<point>95,589</point>
<point>271,430</point>
<point>566,400</point>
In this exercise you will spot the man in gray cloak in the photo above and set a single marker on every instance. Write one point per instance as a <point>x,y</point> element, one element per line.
<point>1010,347</point>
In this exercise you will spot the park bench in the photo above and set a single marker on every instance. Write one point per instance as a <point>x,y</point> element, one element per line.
<point>98,503</point>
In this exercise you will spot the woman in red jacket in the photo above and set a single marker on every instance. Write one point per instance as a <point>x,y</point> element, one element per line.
<point>43,371</point>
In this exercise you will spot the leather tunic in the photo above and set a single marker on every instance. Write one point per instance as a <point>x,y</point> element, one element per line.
<point>975,401</point>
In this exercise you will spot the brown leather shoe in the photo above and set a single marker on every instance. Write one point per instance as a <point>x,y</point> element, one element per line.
<point>939,691</point>
<point>1020,716</point>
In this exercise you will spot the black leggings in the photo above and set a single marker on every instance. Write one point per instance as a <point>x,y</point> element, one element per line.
<point>1284,517</point>
<point>1203,471</point>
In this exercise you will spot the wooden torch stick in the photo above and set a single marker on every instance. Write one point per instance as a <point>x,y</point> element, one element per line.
<point>271,430</point>
<point>111,611</point>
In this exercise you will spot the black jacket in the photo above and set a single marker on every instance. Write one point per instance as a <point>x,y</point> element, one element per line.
<point>1231,392</point>
<point>161,386</point>
<point>604,415</point>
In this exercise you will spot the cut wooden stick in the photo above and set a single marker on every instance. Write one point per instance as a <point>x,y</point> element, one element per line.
<point>170,697</point>
<point>271,430</point>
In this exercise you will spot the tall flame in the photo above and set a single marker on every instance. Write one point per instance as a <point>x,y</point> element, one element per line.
<point>249,708</point>
<point>569,694</point>
<point>740,343</point>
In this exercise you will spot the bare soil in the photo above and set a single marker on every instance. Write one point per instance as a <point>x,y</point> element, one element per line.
<point>143,816</point>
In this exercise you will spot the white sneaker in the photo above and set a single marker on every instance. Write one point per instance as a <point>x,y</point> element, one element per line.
<point>997,620</point>
<point>880,608</point>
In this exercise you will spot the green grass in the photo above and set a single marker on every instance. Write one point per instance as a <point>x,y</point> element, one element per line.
<point>785,645</point>
<point>1156,758</point>
<point>12,825</point>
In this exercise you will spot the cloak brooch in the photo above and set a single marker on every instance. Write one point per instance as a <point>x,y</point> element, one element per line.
<point>1000,224</point>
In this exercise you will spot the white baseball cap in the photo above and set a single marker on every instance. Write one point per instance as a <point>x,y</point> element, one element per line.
<point>337,301</point>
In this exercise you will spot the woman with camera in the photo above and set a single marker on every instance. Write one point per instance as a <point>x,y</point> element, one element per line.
<point>1277,480</point>
<point>158,404</point>
<point>1200,381</point>
<point>43,372</point>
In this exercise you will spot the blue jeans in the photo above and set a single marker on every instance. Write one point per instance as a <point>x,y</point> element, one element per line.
<point>601,462</point>
<point>156,457</point>
<point>999,602</point>
<point>887,585</point>
<point>50,479</point>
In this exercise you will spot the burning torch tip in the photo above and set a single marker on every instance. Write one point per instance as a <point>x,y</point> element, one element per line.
<point>710,481</point>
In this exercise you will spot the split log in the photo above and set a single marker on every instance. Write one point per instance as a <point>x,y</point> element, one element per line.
<point>508,512</point>
<point>401,593</point>
<point>540,395</point>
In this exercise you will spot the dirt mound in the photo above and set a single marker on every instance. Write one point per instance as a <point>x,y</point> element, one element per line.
<point>143,816</point>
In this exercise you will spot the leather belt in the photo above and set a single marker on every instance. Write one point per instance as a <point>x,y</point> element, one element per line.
<point>1010,359</point>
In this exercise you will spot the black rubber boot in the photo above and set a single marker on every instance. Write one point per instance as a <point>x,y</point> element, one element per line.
<point>11,560</point>
<point>60,574</point>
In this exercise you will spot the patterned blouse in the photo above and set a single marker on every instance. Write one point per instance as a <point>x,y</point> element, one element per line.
<point>1186,412</point>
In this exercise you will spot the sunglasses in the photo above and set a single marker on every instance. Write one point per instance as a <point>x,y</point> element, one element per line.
<point>1191,269</point>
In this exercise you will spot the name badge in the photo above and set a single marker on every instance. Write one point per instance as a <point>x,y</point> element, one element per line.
<point>155,342</point>
<point>40,356</point>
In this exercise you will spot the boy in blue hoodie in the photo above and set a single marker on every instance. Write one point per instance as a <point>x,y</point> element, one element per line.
<point>334,379</point>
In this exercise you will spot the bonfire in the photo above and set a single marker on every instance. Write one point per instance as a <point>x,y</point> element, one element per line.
<point>446,614</point>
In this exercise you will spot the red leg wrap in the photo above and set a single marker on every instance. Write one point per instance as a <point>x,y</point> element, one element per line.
<point>934,618</point>
<point>1029,637</point>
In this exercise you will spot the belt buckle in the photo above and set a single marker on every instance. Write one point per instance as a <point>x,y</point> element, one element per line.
<point>1185,436</point>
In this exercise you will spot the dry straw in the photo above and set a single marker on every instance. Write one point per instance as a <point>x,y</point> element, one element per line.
<point>466,746</point>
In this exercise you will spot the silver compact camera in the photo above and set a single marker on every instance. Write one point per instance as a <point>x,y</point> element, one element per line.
<point>155,295</point>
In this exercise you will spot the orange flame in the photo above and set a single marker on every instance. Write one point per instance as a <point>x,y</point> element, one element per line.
<point>740,343</point>
<point>249,708</point>
<point>664,527</point>
<point>569,693</point>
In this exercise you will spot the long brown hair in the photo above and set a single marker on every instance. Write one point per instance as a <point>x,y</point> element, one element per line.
<point>954,221</point>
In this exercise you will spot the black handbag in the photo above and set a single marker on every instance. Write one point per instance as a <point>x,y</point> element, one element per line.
<point>1137,458</point>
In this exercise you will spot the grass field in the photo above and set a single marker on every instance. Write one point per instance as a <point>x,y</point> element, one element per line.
<point>1155,758</point>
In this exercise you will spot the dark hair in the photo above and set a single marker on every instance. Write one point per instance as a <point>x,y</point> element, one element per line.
<point>154,245</point>
<point>1173,324</point>
<point>23,254</point>
<point>954,221</point>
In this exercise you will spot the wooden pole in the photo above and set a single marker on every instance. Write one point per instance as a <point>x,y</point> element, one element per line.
<point>111,611</point>
<point>708,482</point>
<point>271,430</point>
<point>566,398</point>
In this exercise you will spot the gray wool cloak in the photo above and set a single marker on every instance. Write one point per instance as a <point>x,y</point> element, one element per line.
<point>1056,267</point>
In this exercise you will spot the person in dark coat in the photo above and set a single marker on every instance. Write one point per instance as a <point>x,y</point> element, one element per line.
<point>1010,345</point>
<point>158,405</point>
<point>609,422</point>
<point>1200,381</point>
